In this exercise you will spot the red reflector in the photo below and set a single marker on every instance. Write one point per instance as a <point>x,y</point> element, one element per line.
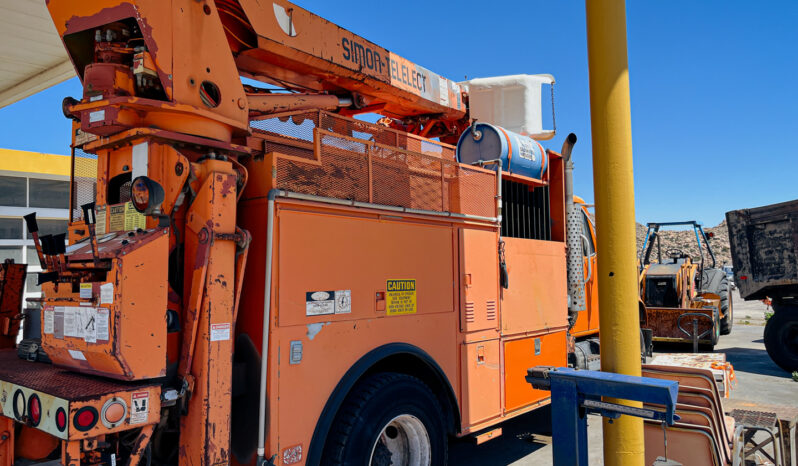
<point>85,418</point>
<point>60,419</point>
<point>743,277</point>
<point>34,410</point>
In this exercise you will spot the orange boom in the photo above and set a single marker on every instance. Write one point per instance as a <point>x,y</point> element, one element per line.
<point>253,276</point>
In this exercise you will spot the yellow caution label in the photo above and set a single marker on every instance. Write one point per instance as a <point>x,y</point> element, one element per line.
<point>133,218</point>
<point>125,217</point>
<point>400,297</point>
<point>116,217</point>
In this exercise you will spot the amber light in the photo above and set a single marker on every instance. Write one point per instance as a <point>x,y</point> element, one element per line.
<point>34,410</point>
<point>146,195</point>
<point>114,412</point>
<point>140,194</point>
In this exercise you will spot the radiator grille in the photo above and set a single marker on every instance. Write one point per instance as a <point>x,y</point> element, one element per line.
<point>525,211</point>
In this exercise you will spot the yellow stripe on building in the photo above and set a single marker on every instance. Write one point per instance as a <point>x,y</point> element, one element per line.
<point>34,162</point>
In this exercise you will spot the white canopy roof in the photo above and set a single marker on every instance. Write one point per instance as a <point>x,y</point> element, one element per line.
<point>32,57</point>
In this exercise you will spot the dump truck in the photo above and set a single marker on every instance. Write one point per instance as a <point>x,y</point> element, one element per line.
<point>686,298</point>
<point>764,249</point>
<point>254,276</point>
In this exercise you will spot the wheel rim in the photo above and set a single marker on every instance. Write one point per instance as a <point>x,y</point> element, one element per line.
<point>403,441</point>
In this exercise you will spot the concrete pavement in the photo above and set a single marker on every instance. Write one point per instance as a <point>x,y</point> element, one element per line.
<point>526,440</point>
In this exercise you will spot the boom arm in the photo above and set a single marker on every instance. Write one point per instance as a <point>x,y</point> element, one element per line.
<point>189,54</point>
<point>286,45</point>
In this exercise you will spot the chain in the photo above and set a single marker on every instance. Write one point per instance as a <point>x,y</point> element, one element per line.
<point>553,120</point>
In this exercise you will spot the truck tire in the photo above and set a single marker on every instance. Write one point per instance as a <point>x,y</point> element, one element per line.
<point>388,419</point>
<point>714,337</point>
<point>716,281</point>
<point>781,338</point>
<point>726,307</point>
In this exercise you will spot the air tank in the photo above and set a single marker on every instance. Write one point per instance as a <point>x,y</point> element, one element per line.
<point>520,155</point>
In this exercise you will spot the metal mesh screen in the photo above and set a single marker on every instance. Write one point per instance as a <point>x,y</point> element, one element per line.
<point>84,182</point>
<point>339,157</point>
<point>291,133</point>
<point>288,133</point>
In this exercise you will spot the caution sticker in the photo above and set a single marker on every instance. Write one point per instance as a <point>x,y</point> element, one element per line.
<point>220,332</point>
<point>133,218</point>
<point>400,297</point>
<point>125,217</point>
<point>116,217</point>
<point>85,291</point>
<point>140,407</point>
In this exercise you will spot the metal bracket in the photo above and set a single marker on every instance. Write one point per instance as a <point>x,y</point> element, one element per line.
<point>694,334</point>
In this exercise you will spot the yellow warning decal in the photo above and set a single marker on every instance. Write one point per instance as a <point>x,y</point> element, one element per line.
<point>133,218</point>
<point>400,297</point>
<point>125,217</point>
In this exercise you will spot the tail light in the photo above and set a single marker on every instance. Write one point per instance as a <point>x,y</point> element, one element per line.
<point>114,412</point>
<point>19,404</point>
<point>60,419</point>
<point>34,410</point>
<point>85,418</point>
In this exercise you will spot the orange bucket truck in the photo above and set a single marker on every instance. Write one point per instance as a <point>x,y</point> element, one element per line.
<point>253,275</point>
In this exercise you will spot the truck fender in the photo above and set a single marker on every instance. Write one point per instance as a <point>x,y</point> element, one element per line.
<point>393,357</point>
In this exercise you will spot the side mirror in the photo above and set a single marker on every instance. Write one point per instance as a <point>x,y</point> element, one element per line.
<point>147,195</point>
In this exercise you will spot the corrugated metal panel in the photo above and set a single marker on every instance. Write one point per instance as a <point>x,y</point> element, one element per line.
<point>31,55</point>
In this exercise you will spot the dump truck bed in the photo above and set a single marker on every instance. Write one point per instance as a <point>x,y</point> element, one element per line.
<point>764,247</point>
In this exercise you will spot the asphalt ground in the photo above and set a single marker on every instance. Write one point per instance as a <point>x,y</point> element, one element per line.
<point>526,440</point>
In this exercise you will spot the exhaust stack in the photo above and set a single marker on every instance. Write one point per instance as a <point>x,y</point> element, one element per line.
<point>573,237</point>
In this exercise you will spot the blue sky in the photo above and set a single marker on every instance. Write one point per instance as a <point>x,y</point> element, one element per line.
<point>713,88</point>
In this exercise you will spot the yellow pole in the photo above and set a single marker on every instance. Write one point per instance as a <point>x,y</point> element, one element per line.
<point>615,215</point>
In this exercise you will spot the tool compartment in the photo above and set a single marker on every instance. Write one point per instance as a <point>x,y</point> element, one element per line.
<point>113,321</point>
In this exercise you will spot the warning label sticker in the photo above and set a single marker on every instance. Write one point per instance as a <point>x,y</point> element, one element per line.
<point>133,218</point>
<point>100,224</point>
<point>101,324</point>
<point>85,291</point>
<point>125,217</point>
<point>343,301</point>
<point>400,297</point>
<point>139,407</point>
<point>319,303</point>
<point>49,321</point>
<point>220,332</point>
<point>116,217</point>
